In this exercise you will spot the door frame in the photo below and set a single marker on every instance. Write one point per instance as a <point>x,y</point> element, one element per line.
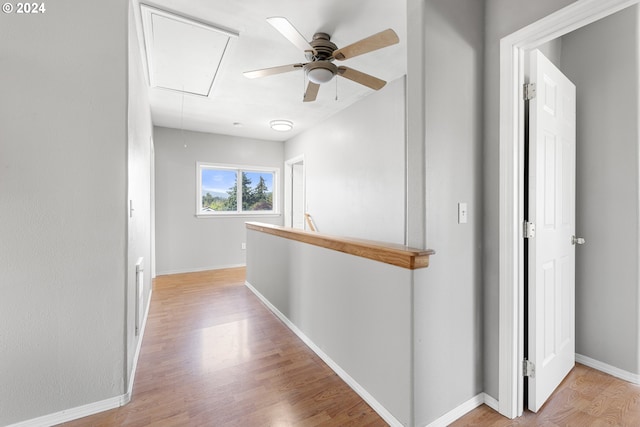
<point>513,49</point>
<point>288,188</point>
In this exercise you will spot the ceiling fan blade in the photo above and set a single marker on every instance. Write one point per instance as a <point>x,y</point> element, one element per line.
<point>290,33</point>
<point>312,92</point>
<point>377,41</point>
<point>362,78</point>
<point>271,71</point>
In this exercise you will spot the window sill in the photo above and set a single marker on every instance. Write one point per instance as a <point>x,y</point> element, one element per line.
<point>242,215</point>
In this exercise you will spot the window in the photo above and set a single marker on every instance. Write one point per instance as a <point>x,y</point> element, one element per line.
<point>228,190</point>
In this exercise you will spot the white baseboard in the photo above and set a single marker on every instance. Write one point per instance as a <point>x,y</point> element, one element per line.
<point>491,402</point>
<point>95,407</point>
<point>608,369</point>
<point>73,413</point>
<point>375,405</point>
<point>198,269</point>
<point>132,377</point>
<point>461,410</point>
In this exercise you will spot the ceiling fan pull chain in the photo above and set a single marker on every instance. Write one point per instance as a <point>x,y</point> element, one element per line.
<point>336,79</point>
<point>304,85</point>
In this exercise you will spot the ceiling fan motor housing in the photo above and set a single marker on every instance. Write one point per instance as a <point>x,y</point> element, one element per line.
<point>321,69</point>
<point>324,47</point>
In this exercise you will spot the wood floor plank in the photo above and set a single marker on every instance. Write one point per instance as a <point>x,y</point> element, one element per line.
<point>586,398</point>
<point>214,355</point>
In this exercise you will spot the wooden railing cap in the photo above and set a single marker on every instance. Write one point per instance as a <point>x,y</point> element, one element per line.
<point>394,254</point>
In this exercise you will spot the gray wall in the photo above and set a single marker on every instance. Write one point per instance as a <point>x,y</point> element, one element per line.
<point>183,241</point>
<point>447,297</point>
<point>448,304</point>
<point>63,150</point>
<point>354,166</point>
<point>357,311</point>
<point>502,17</point>
<point>552,50</point>
<point>140,131</point>
<point>340,164</point>
<point>602,60</point>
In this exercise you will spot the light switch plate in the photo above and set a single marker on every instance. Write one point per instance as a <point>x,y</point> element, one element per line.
<point>463,213</point>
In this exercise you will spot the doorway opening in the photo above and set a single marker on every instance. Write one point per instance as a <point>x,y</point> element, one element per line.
<point>513,49</point>
<point>294,193</point>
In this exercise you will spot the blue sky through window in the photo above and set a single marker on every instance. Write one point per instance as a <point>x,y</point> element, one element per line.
<point>218,181</point>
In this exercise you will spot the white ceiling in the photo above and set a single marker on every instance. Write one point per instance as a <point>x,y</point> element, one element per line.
<point>244,107</point>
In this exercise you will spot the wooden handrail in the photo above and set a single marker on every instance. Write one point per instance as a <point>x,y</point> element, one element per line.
<point>310,223</point>
<point>398,255</point>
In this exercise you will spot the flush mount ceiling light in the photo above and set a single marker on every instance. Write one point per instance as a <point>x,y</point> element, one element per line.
<point>281,125</point>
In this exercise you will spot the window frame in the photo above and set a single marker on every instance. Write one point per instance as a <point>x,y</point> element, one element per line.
<point>239,169</point>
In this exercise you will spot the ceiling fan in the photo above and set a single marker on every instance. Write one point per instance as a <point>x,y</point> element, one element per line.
<point>321,52</point>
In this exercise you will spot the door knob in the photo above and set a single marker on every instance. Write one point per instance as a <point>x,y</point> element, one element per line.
<point>577,240</point>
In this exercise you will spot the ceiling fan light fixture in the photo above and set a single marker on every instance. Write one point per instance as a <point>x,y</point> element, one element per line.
<point>281,125</point>
<point>320,71</point>
<point>319,75</point>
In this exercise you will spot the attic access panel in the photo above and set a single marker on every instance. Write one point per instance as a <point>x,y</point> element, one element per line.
<point>182,54</point>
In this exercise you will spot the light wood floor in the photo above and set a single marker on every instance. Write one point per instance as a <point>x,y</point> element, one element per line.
<point>585,398</point>
<point>213,355</point>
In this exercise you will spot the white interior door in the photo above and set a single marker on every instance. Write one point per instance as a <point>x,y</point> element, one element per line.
<point>551,260</point>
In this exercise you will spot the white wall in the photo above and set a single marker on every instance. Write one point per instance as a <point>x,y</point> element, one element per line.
<point>602,60</point>
<point>140,131</point>
<point>183,241</point>
<point>447,299</point>
<point>63,149</point>
<point>354,166</point>
<point>502,17</point>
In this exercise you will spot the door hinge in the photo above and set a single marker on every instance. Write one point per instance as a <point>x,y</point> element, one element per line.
<point>528,369</point>
<point>529,230</point>
<point>529,91</point>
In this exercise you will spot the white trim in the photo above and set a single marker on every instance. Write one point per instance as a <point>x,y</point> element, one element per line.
<point>288,188</point>
<point>491,402</point>
<point>511,278</point>
<point>459,411</point>
<point>198,269</point>
<point>375,405</point>
<point>74,413</point>
<point>233,214</point>
<point>95,407</point>
<point>511,247</point>
<point>608,369</point>
<point>137,353</point>
<point>294,160</point>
